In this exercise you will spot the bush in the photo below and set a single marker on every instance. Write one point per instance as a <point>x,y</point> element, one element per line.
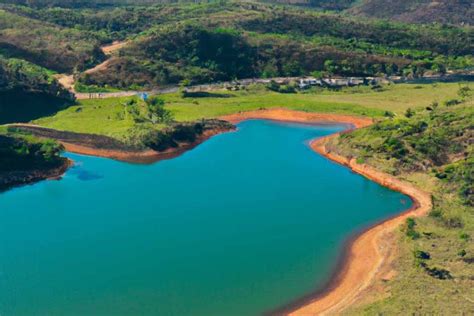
<point>157,112</point>
<point>465,236</point>
<point>438,273</point>
<point>453,222</point>
<point>452,102</point>
<point>409,113</point>
<point>436,213</point>
<point>284,88</point>
<point>422,255</point>
<point>410,229</point>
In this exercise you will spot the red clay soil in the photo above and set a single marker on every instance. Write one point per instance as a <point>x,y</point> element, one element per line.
<point>145,156</point>
<point>280,114</point>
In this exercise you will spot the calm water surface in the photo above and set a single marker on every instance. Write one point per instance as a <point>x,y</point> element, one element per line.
<point>244,223</point>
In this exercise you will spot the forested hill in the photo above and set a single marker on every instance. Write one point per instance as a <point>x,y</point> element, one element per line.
<point>418,11</point>
<point>460,12</point>
<point>28,91</point>
<point>206,42</point>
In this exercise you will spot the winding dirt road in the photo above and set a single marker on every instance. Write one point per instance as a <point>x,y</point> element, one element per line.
<point>68,80</point>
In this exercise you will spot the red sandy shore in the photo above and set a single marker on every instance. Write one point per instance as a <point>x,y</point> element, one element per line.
<point>279,114</point>
<point>145,156</point>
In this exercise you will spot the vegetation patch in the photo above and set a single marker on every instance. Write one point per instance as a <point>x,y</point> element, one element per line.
<point>432,148</point>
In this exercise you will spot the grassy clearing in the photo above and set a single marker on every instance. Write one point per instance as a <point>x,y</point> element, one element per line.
<point>108,116</point>
<point>196,108</point>
<point>395,97</point>
<point>98,116</point>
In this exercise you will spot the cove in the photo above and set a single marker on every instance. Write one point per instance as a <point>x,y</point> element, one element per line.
<point>242,224</point>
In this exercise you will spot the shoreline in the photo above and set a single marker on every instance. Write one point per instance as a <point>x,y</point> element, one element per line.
<point>29,177</point>
<point>367,256</point>
<point>147,156</point>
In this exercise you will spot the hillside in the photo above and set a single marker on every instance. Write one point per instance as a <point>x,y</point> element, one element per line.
<point>169,43</point>
<point>433,149</point>
<point>205,43</point>
<point>459,12</point>
<point>48,45</point>
<point>28,91</point>
<point>424,11</point>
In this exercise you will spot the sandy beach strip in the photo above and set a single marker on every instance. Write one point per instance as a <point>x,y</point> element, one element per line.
<point>285,115</point>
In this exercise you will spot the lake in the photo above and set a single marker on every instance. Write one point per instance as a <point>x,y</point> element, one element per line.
<point>244,223</point>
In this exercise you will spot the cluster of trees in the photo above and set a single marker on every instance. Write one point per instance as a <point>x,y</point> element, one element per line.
<point>152,110</point>
<point>28,91</point>
<point>17,153</point>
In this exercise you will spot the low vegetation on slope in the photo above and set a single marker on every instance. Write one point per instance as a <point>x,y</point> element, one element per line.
<point>418,11</point>
<point>431,147</point>
<point>47,45</point>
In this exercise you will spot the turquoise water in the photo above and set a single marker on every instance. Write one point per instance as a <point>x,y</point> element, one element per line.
<point>242,224</point>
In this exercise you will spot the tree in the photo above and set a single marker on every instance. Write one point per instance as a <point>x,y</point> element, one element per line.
<point>50,150</point>
<point>464,92</point>
<point>157,112</point>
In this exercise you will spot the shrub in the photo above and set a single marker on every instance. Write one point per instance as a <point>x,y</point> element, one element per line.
<point>410,229</point>
<point>436,213</point>
<point>157,112</point>
<point>453,222</point>
<point>452,102</point>
<point>464,92</point>
<point>438,273</point>
<point>422,255</point>
<point>409,113</point>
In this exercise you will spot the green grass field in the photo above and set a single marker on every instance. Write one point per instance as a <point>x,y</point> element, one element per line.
<point>98,116</point>
<point>108,116</point>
